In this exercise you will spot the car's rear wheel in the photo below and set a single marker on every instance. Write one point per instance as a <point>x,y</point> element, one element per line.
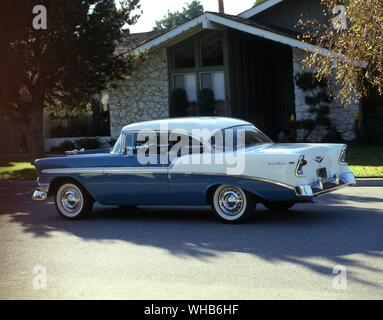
<point>232,205</point>
<point>73,202</point>
<point>278,206</point>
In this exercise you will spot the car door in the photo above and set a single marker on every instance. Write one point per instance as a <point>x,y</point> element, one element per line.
<point>131,181</point>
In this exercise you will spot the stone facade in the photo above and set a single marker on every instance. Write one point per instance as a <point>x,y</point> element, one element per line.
<point>144,96</point>
<point>343,118</point>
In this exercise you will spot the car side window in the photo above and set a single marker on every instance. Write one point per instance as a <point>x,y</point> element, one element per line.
<point>126,143</point>
<point>185,145</point>
<point>153,144</point>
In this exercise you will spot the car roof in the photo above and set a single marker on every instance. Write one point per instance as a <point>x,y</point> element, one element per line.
<point>213,124</point>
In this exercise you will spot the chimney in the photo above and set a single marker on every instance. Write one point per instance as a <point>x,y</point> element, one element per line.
<point>221,7</point>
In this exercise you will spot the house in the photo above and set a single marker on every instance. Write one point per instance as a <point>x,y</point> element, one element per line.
<point>249,61</point>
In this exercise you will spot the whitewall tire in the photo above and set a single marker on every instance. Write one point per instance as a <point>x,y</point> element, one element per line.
<point>232,205</point>
<point>73,202</point>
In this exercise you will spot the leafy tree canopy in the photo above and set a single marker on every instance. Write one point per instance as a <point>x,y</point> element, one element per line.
<point>355,30</point>
<point>174,19</point>
<point>62,65</point>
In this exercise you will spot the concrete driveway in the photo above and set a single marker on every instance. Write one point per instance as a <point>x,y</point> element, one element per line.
<point>184,253</point>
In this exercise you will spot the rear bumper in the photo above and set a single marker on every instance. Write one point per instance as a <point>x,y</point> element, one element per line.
<point>325,186</point>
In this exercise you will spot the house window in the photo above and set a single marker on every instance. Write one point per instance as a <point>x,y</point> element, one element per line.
<point>188,82</point>
<point>211,51</point>
<point>214,81</point>
<point>184,57</point>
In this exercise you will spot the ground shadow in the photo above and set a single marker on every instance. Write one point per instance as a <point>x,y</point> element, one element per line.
<point>331,229</point>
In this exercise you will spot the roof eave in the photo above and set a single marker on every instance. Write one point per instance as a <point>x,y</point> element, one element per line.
<point>208,17</point>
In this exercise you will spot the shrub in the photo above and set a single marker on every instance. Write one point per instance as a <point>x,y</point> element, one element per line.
<point>63,147</point>
<point>89,143</point>
<point>178,103</point>
<point>80,130</point>
<point>206,102</point>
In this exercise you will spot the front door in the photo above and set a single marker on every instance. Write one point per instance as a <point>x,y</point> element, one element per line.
<point>131,181</point>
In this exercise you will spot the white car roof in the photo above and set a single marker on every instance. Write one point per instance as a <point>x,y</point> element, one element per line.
<point>213,124</point>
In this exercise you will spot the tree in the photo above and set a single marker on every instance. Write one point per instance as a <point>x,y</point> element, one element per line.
<point>354,29</point>
<point>63,65</point>
<point>174,19</point>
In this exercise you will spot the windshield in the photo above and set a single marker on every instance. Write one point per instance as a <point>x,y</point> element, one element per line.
<point>239,137</point>
<point>117,146</point>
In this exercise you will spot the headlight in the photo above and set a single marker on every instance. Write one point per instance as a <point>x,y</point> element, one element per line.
<point>343,155</point>
<point>299,169</point>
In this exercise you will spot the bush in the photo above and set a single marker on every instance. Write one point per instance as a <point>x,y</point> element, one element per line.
<point>373,128</point>
<point>80,130</point>
<point>178,103</point>
<point>112,142</point>
<point>206,102</point>
<point>89,144</point>
<point>63,147</point>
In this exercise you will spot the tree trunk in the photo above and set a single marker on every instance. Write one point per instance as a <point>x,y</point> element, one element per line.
<point>35,137</point>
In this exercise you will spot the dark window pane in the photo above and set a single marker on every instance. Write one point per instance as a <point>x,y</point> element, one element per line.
<point>211,51</point>
<point>184,57</point>
<point>179,82</point>
<point>206,81</point>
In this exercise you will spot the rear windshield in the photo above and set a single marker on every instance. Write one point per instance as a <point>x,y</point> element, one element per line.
<point>239,137</point>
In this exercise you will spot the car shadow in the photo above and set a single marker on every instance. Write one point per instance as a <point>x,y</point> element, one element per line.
<point>331,229</point>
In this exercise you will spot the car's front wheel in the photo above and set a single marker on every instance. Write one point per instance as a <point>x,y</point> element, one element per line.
<point>232,205</point>
<point>73,202</point>
<point>278,206</point>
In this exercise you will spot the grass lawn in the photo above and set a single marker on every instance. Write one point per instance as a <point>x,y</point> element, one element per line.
<point>17,171</point>
<point>366,162</point>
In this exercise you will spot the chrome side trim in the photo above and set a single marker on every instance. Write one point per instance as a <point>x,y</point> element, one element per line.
<point>134,170</point>
<point>74,171</point>
<point>154,170</point>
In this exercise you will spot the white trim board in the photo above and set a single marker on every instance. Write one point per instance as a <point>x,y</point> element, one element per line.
<point>259,8</point>
<point>208,18</point>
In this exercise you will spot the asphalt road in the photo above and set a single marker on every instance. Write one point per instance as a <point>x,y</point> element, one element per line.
<point>183,253</point>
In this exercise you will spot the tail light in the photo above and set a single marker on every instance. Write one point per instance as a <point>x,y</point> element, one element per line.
<point>299,169</point>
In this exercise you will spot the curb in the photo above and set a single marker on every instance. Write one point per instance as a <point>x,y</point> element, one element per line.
<point>369,182</point>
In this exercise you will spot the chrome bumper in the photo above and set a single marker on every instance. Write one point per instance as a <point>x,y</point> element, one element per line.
<point>41,193</point>
<point>324,186</point>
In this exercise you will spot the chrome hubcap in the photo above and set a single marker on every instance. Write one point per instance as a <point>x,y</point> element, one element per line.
<point>71,200</point>
<point>231,201</point>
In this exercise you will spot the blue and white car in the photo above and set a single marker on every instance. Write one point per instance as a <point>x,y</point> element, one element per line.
<point>192,162</point>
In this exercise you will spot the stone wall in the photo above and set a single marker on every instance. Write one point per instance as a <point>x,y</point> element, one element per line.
<point>343,118</point>
<point>144,96</point>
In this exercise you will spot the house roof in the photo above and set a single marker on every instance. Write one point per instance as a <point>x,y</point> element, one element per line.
<point>134,40</point>
<point>213,20</point>
<point>260,7</point>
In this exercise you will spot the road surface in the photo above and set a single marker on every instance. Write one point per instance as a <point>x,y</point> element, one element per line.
<point>185,253</point>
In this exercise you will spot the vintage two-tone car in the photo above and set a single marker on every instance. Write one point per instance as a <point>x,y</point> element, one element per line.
<point>144,171</point>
